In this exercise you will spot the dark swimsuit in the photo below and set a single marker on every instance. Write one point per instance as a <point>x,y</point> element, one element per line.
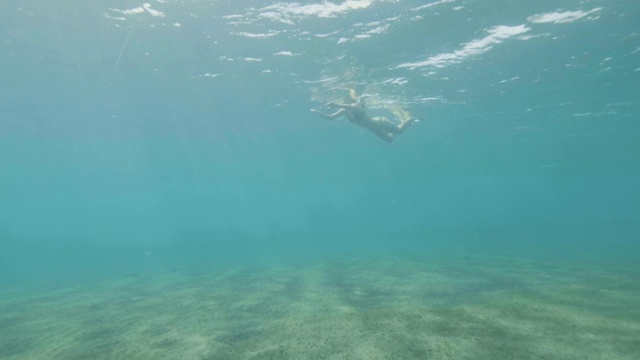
<point>357,116</point>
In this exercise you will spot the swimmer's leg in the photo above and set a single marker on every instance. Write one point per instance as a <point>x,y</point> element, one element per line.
<point>404,124</point>
<point>386,125</point>
<point>388,130</point>
<point>329,116</point>
<point>388,137</point>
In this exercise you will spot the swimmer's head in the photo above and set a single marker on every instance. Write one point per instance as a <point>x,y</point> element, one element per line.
<point>353,98</point>
<point>361,100</point>
<point>349,100</point>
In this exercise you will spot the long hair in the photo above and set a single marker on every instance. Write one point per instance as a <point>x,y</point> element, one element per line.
<point>353,98</point>
<point>353,94</point>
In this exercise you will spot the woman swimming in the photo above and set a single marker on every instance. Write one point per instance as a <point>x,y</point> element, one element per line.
<point>353,109</point>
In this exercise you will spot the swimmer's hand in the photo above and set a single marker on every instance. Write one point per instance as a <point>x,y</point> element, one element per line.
<point>330,105</point>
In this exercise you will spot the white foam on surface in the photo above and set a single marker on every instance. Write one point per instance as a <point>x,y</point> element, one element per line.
<point>562,17</point>
<point>496,35</point>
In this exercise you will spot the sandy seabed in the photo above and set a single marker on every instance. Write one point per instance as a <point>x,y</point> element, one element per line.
<point>394,307</point>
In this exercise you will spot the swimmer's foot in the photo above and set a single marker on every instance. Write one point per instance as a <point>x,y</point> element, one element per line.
<point>406,123</point>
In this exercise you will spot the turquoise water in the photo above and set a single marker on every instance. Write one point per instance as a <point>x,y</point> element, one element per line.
<point>145,140</point>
